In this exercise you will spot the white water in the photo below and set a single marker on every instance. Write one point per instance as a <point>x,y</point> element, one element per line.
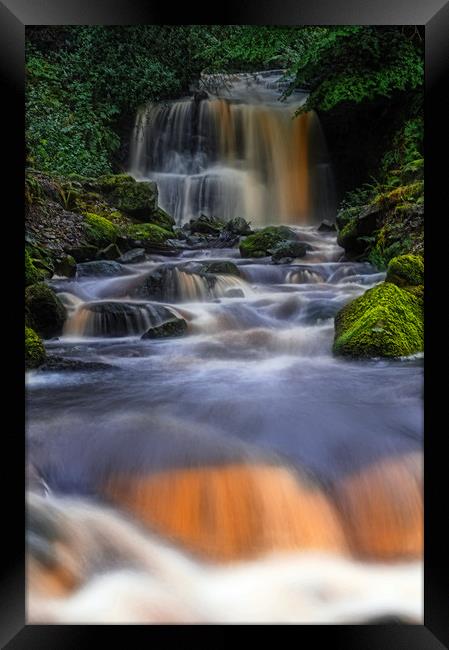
<point>240,152</point>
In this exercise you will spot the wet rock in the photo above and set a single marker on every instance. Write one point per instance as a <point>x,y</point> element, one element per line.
<point>101,268</point>
<point>206,225</point>
<point>111,252</point>
<point>171,328</point>
<point>83,252</point>
<point>286,251</point>
<point>45,313</point>
<point>327,226</point>
<point>220,267</point>
<point>60,364</point>
<point>66,266</point>
<point>137,198</point>
<point>238,226</point>
<point>133,256</point>
<point>200,95</point>
<point>263,242</point>
<point>234,292</point>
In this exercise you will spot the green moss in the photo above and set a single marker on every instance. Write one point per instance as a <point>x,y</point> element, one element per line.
<point>406,270</point>
<point>162,219</point>
<point>148,232</point>
<point>34,349</point>
<point>261,243</point>
<point>138,199</point>
<point>31,273</point>
<point>221,267</point>
<point>99,231</point>
<point>44,311</point>
<point>384,322</point>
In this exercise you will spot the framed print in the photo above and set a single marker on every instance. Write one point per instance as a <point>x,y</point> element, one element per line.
<point>225,314</point>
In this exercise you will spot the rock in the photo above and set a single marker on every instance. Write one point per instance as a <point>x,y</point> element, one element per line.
<point>220,267</point>
<point>34,349</point>
<point>406,270</point>
<point>261,243</point>
<point>171,328</point>
<point>101,268</point>
<point>327,226</point>
<point>60,364</point>
<point>234,292</point>
<point>289,250</point>
<point>111,252</point>
<point>238,226</point>
<point>200,95</point>
<point>132,256</point>
<point>385,321</point>
<point>163,220</point>
<point>45,313</point>
<point>83,252</point>
<point>152,238</point>
<point>136,198</point>
<point>206,225</point>
<point>99,231</point>
<point>66,266</point>
<point>32,275</point>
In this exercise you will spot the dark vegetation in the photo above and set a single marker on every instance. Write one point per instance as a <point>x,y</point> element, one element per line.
<point>84,84</point>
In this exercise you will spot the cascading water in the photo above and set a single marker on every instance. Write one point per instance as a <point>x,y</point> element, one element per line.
<point>240,152</point>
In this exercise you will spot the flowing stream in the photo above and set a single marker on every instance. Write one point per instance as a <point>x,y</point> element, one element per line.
<point>239,472</point>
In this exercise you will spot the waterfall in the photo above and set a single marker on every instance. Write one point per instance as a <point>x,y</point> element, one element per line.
<point>243,154</point>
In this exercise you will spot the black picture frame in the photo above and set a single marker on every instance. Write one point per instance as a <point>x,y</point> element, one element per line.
<point>14,16</point>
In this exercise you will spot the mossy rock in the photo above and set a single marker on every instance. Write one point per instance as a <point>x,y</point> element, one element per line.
<point>163,220</point>
<point>136,198</point>
<point>148,233</point>
<point>406,270</point>
<point>385,321</point>
<point>84,252</point>
<point>35,354</point>
<point>263,242</point>
<point>99,231</point>
<point>238,226</point>
<point>205,225</point>
<point>289,250</point>
<point>171,328</point>
<point>221,267</point>
<point>111,252</point>
<point>44,311</point>
<point>66,266</point>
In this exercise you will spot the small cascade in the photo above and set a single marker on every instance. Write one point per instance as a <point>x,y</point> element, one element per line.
<point>114,318</point>
<point>241,152</point>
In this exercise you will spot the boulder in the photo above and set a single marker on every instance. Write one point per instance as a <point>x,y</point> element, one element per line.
<point>136,198</point>
<point>206,225</point>
<point>238,226</point>
<point>66,266</point>
<point>101,268</point>
<point>289,250</point>
<point>111,252</point>
<point>171,328</point>
<point>133,256</point>
<point>327,226</point>
<point>385,321</point>
<point>234,292</point>
<point>261,243</point>
<point>221,267</point>
<point>406,270</point>
<point>45,313</point>
<point>83,252</point>
<point>34,349</point>
<point>99,232</point>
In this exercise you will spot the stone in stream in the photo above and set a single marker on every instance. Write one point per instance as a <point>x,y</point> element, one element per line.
<point>263,242</point>
<point>101,268</point>
<point>221,267</point>
<point>35,354</point>
<point>66,266</point>
<point>133,256</point>
<point>234,292</point>
<point>45,313</point>
<point>286,251</point>
<point>327,226</point>
<point>55,363</point>
<point>111,252</point>
<point>171,328</point>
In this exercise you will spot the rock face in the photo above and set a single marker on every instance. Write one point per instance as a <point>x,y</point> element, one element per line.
<point>45,313</point>
<point>34,349</point>
<point>406,270</point>
<point>385,321</point>
<point>171,328</point>
<point>263,242</point>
